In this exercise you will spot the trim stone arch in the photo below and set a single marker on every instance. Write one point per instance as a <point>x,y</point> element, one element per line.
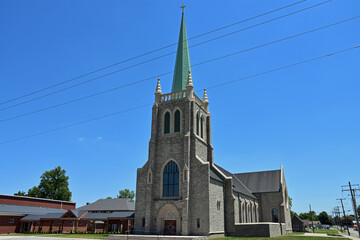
<point>274,215</point>
<point>168,212</point>
<point>149,176</point>
<point>162,123</point>
<point>162,176</point>
<point>172,125</point>
<point>197,123</point>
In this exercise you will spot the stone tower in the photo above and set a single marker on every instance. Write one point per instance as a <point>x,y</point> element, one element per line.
<point>172,190</point>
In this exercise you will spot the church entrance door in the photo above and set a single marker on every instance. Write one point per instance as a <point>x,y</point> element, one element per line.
<point>170,227</point>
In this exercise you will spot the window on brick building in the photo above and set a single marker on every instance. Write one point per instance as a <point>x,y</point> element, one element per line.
<point>198,222</point>
<point>11,220</point>
<point>143,222</point>
<point>218,205</point>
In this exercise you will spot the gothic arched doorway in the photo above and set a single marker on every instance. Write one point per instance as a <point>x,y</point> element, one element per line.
<point>168,220</point>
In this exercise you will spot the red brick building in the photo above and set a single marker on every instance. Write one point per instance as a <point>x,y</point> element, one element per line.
<point>14,208</point>
<point>27,214</point>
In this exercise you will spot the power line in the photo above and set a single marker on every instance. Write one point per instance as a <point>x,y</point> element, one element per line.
<point>195,65</point>
<point>146,53</point>
<point>152,59</point>
<point>215,86</point>
<point>77,123</point>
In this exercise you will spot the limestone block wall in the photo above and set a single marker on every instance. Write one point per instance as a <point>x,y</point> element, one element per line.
<point>198,197</point>
<point>216,206</point>
<point>245,209</point>
<point>258,230</point>
<point>140,204</point>
<point>267,202</point>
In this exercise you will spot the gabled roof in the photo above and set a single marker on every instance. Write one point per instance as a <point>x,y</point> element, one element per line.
<point>104,216</point>
<point>238,186</point>
<point>19,209</point>
<point>34,217</point>
<point>74,213</point>
<point>213,175</point>
<point>116,204</point>
<point>308,222</point>
<point>258,182</point>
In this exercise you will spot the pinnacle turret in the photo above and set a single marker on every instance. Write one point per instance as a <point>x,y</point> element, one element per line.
<point>189,81</point>
<point>205,98</point>
<point>158,87</point>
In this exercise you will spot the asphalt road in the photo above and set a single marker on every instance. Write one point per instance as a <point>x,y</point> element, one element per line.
<point>36,238</point>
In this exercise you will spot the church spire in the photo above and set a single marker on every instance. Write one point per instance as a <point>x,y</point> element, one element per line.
<point>182,64</point>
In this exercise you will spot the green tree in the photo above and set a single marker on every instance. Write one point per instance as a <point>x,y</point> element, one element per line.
<point>292,213</point>
<point>307,216</point>
<point>290,202</point>
<point>324,218</point>
<point>109,198</point>
<point>126,193</point>
<point>20,193</point>
<point>358,211</point>
<point>304,216</point>
<point>54,184</point>
<point>347,221</point>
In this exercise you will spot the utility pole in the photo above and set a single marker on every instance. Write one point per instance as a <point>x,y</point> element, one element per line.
<point>352,192</point>
<point>345,218</point>
<point>311,218</point>
<point>336,213</point>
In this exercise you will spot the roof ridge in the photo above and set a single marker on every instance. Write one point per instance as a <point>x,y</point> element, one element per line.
<point>260,171</point>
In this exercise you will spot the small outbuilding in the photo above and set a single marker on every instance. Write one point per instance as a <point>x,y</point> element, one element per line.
<point>297,224</point>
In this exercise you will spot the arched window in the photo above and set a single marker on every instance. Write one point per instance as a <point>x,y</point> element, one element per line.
<point>197,124</point>
<point>198,222</point>
<point>171,180</point>
<point>202,127</point>
<point>177,121</point>
<point>240,209</point>
<point>167,123</point>
<point>274,214</point>
<point>149,177</point>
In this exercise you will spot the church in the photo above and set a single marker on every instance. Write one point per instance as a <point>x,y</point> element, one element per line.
<point>182,191</point>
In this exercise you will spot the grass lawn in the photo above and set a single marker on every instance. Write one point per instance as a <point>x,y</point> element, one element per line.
<point>325,231</point>
<point>68,235</point>
<point>291,236</point>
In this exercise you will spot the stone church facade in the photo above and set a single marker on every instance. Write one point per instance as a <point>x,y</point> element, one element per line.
<point>181,191</point>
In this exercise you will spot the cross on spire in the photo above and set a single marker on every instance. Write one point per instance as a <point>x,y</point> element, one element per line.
<point>182,7</point>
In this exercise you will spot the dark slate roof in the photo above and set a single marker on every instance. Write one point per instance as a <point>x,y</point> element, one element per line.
<point>96,216</point>
<point>116,204</point>
<point>19,209</point>
<point>215,176</point>
<point>31,217</point>
<point>104,216</point>
<point>34,217</point>
<point>238,186</point>
<point>129,214</point>
<point>257,182</point>
<point>52,215</point>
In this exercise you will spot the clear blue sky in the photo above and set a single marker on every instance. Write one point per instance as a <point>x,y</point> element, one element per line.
<point>305,118</point>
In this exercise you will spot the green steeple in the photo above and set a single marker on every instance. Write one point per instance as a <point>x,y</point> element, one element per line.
<point>182,64</point>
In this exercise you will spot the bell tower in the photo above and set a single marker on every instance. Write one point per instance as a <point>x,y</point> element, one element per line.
<point>172,189</point>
